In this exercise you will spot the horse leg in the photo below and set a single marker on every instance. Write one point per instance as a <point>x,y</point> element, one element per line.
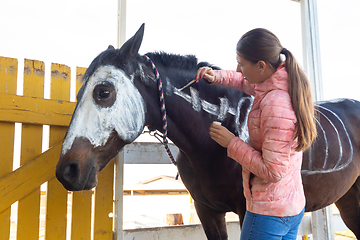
<point>349,207</point>
<point>213,223</point>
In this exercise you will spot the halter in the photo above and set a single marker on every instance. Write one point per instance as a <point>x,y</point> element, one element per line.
<point>163,110</point>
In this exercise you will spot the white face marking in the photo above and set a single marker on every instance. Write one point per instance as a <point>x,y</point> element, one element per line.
<point>126,116</point>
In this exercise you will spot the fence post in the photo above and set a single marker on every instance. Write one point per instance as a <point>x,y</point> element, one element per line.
<point>31,146</point>
<point>119,194</point>
<point>8,77</point>
<point>56,208</point>
<point>321,219</point>
<point>321,224</point>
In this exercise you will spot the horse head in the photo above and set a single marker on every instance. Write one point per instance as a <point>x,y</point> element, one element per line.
<point>119,97</point>
<point>109,114</point>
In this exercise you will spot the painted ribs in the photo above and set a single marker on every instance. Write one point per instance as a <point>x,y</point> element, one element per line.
<point>339,147</point>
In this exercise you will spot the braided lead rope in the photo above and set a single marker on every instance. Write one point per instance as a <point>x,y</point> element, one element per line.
<point>163,110</point>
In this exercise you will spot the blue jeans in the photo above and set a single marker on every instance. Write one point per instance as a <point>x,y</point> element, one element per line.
<point>260,227</point>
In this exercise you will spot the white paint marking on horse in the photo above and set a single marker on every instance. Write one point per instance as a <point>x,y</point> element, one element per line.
<point>126,116</point>
<point>347,135</point>
<point>141,73</point>
<point>337,133</point>
<point>336,100</point>
<point>143,77</point>
<point>243,132</point>
<point>242,128</point>
<point>224,106</point>
<point>204,105</point>
<point>195,99</point>
<point>326,149</point>
<point>326,144</point>
<point>215,110</point>
<point>168,90</point>
<point>182,94</point>
<point>337,166</point>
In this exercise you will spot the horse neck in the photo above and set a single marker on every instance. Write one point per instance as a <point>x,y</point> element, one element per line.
<point>188,130</point>
<point>189,116</point>
<point>185,126</point>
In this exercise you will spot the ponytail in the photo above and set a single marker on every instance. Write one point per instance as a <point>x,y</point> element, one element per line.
<point>302,102</point>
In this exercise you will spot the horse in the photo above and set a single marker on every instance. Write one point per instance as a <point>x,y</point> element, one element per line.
<point>119,97</point>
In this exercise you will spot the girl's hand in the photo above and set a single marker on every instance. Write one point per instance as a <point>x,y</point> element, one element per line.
<point>206,73</point>
<point>220,134</point>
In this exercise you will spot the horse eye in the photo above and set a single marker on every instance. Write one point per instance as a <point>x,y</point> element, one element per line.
<point>104,94</point>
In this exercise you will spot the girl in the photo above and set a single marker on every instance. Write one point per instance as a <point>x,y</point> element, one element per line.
<point>281,125</point>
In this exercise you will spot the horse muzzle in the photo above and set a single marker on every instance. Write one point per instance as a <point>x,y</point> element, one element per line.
<point>77,169</point>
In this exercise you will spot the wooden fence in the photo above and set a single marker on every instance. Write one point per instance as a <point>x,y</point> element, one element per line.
<point>87,217</point>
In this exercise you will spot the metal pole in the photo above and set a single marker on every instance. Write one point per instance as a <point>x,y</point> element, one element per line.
<point>119,194</point>
<point>121,36</point>
<point>321,224</point>
<point>311,46</point>
<point>119,160</point>
<point>322,227</point>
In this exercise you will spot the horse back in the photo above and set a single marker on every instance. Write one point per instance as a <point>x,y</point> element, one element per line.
<point>332,164</point>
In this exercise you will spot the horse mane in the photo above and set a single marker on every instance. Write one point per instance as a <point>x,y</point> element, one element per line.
<point>185,62</point>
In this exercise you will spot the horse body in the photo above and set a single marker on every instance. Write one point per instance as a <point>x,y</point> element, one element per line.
<point>330,168</point>
<point>335,153</point>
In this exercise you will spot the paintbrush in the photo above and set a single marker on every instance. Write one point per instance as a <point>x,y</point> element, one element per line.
<point>191,82</point>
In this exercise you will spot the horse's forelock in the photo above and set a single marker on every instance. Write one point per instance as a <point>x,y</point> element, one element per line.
<point>107,57</point>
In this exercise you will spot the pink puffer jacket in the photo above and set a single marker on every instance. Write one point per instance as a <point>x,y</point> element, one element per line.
<point>271,166</point>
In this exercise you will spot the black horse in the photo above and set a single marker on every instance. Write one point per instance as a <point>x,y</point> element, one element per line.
<point>119,97</point>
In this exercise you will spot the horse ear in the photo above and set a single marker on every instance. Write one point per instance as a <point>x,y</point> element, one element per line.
<point>110,47</point>
<point>131,47</point>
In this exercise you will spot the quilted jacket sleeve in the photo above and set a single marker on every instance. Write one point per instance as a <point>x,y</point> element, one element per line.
<point>233,79</point>
<point>277,125</point>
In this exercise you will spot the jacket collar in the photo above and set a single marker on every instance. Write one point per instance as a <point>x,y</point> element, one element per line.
<point>277,81</point>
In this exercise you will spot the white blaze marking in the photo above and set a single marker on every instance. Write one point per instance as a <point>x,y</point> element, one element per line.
<point>126,116</point>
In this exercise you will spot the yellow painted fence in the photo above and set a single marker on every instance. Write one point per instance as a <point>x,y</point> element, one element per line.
<point>64,215</point>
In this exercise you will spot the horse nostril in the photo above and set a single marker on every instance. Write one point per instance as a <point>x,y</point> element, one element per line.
<point>71,172</point>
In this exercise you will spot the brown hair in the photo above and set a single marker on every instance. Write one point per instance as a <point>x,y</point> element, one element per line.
<point>262,45</point>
